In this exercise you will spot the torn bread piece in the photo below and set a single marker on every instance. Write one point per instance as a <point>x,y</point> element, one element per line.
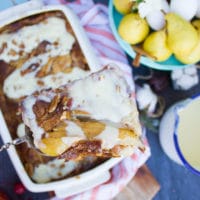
<point>94,116</point>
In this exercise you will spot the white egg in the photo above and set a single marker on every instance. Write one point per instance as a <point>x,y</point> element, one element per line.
<point>198,10</point>
<point>156,20</point>
<point>185,8</point>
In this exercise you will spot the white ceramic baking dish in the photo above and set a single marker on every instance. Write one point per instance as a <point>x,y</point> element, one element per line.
<point>91,178</point>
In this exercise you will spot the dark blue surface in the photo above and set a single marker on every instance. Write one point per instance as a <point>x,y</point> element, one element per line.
<point>176,181</point>
<point>8,179</point>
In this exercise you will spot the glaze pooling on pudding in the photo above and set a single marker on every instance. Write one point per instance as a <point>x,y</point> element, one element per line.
<point>104,97</point>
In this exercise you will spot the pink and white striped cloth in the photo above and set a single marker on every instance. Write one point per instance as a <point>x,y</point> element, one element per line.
<point>94,19</point>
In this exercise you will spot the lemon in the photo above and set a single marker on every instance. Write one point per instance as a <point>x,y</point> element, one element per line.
<point>133,29</point>
<point>123,6</point>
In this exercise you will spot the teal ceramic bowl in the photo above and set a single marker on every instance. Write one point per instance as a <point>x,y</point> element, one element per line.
<point>115,18</point>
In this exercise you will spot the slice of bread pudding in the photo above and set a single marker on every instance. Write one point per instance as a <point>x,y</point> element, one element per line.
<point>94,116</point>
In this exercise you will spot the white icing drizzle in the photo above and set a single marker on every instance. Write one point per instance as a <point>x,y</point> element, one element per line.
<point>74,133</point>
<point>30,119</point>
<point>69,141</point>
<point>54,169</point>
<point>73,129</point>
<point>15,85</point>
<point>52,29</point>
<point>59,168</point>
<point>21,130</point>
<point>103,95</point>
<point>109,137</point>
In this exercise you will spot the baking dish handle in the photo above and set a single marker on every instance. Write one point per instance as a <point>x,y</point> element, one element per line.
<point>83,184</point>
<point>20,9</point>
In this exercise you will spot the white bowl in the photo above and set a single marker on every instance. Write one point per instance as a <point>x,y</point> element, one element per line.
<point>86,180</point>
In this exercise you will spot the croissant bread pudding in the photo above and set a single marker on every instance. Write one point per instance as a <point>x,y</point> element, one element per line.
<point>37,52</point>
<point>93,116</point>
<point>73,115</point>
